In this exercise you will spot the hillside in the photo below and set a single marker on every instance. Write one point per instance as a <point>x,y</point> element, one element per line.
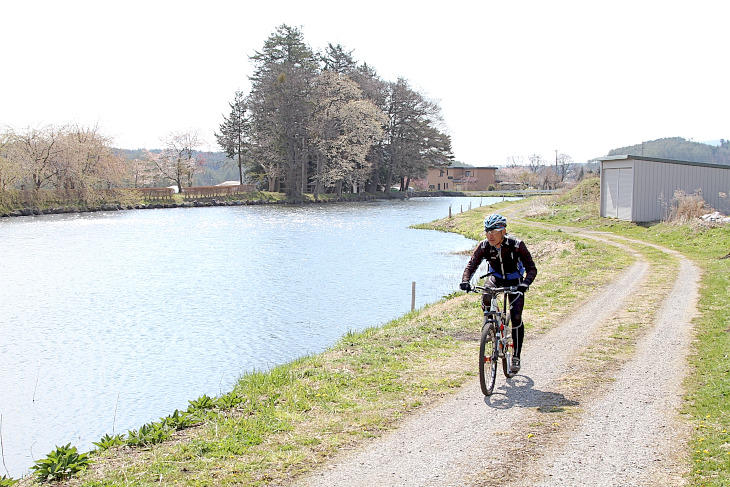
<point>680,149</point>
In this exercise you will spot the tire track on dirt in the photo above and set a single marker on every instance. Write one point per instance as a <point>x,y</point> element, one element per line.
<point>466,433</point>
<point>632,434</point>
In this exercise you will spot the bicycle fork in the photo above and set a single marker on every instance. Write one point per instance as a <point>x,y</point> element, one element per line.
<point>501,336</point>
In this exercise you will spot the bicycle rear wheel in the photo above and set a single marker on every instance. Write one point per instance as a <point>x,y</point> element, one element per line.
<point>487,359</point>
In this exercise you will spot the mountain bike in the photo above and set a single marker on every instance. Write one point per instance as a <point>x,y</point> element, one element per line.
<point>496,340</point>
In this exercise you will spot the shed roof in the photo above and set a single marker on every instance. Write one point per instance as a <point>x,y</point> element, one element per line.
<point>473,167</point>
<point>668,161</point>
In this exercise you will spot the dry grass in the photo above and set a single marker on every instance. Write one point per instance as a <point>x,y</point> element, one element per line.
<point>538,208</point>
<point>687,208</point>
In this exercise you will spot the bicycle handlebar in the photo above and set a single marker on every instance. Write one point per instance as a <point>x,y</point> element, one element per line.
<point>506,289</point>
<point>494,290</point>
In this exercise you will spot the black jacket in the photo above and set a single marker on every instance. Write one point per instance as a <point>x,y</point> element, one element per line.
<point>509,263</point>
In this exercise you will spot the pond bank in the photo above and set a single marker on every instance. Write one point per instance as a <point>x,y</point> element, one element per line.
<point>258,198</point>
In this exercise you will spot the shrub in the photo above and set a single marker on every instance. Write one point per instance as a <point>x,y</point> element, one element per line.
<point>61,463</point>
<point>229,401</point>
<point>203,402</point>
<point>686,208</point>
<point>148,434</point>
<point>108,441</point>
<point>7,481</point>
<point>179,420</point>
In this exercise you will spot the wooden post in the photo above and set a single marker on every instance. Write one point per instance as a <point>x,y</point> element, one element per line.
<point>413,296</point>
<point>449,211</point>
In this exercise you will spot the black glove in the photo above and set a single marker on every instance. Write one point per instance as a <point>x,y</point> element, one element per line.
<point>465,286</point>
<point>522,287</point>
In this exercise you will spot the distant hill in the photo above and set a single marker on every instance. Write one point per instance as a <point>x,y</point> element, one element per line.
<point>680,149</point>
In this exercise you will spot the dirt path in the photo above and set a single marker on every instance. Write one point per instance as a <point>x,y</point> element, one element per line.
<point>554,424</point>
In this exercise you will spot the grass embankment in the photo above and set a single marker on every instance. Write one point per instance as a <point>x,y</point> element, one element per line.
<point>286,421</point>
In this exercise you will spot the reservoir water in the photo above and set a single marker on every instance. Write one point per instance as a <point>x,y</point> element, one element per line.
<point>112,320</point>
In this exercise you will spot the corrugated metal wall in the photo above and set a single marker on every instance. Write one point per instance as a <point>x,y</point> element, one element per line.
<point>656,183</point>
<point>640,189</point>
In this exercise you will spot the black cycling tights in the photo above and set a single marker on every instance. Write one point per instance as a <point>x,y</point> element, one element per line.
<point>518,335</point>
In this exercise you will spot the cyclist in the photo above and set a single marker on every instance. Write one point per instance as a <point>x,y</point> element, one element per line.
<point>510,264</point>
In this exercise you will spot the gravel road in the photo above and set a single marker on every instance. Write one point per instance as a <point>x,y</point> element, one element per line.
<point>550,425</point>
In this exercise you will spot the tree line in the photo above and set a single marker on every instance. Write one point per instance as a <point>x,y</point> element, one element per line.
<point>79,162</point>
<point>70,157</point>
<point>312,122</point>
<point>322,122</point>
<point>537,172</point>
<point>679,148</point>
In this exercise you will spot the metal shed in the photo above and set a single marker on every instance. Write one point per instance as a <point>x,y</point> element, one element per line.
<point>640,189</point>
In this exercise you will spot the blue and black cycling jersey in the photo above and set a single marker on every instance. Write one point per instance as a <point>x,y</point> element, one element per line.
<point>511,262</point>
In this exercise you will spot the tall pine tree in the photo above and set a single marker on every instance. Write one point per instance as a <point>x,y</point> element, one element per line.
<point>234,133</point>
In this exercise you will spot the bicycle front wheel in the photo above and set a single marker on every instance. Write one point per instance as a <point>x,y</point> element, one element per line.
<point>488,359</point>
<point>507,357</point>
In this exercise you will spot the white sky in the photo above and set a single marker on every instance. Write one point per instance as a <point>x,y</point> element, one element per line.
<point>513,78</point>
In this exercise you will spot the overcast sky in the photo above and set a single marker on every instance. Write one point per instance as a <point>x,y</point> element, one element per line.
<point>512,78</point>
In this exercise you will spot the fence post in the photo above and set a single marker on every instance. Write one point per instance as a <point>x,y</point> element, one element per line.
<point>413,296</point>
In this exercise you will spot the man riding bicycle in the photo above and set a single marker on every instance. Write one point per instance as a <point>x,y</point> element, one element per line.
<point>510,264</point>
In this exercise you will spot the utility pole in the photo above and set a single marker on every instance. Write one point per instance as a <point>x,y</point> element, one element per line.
<point>556,161</point>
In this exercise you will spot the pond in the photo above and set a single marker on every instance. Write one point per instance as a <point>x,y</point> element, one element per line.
<point>112,320</point>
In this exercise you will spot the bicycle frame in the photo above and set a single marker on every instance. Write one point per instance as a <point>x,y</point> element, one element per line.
<point>495,314</point>
<point>496,336</point>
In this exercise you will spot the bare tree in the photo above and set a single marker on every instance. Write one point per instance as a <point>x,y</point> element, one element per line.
<point>564,166</point>
<point>536,162</point>
<point>142,172</point>
<point>344,128</point>
<point>375,90</point>
<point>87,162</point>
<point>74,159</point>
<point>37,151</point>
<point>515,161</point>
<point>176,161</point>
<point>549,179</point>
<point>9,169</point>
<point>514,174</point>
